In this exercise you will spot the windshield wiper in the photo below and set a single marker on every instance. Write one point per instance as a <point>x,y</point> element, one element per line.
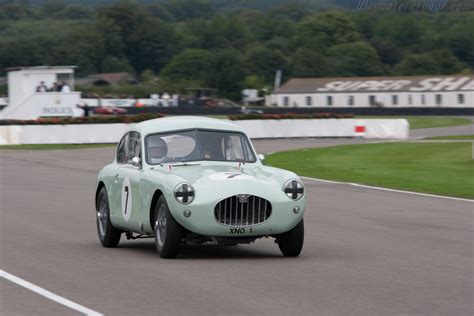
<point>184,164</point>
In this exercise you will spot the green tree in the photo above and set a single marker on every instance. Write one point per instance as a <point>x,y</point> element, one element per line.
<point>308,63</point>
<point>264,62</point>
<point>226,73</point>
<point>115,64</point>
<point>326,29</point>
<point>190,64</point>
<point>220,32</point>
<point>75,12</point>
<point>253,82</point>
<point>152,44</point>
<point>353,59</point>
<point>460,39</point>
<point>417,64</point>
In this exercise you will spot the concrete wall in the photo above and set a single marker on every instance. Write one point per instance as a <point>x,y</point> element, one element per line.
<point>111,133</point>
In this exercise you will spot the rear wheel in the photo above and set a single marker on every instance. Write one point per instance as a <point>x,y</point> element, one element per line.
<point>109,236</point>
<point>291,243</point>
<point>168,233</point>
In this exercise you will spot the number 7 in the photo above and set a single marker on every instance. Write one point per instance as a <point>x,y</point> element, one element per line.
<point>126,199</point>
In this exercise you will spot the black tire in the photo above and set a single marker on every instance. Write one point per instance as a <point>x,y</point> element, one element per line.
<point>168,237</point>
<point>291,243</point>
<point>109,236</point>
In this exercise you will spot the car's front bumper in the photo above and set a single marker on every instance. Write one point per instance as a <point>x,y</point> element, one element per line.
<point>203,221</point>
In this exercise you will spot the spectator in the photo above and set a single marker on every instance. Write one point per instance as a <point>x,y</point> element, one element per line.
<point>41,87</point>
<point>86,108</point>
<point>65,87</point>
<point>175,99</point>
<point>165,99</point>
<point>55,87</point>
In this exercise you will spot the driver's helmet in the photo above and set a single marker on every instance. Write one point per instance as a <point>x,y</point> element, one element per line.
<point>157,148</point>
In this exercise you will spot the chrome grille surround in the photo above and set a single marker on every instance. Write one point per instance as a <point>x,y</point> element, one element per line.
<point>242,210</point>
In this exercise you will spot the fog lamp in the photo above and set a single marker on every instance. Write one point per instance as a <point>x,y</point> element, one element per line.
<point>296,209</point>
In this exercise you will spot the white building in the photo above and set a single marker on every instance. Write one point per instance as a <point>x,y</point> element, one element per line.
<point>416,91</point>
<point>25,102</point>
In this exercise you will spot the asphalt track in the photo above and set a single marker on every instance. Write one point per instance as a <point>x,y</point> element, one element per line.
<point>367,252</point>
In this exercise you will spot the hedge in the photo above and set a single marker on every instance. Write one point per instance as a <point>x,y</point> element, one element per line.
<point>99,119</point>
<point>135,118</point>
<point>291,116</point>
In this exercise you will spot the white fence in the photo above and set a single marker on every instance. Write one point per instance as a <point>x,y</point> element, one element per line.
<point>111,133</point>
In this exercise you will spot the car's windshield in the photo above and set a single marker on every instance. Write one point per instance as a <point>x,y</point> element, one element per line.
<point>198,145</point>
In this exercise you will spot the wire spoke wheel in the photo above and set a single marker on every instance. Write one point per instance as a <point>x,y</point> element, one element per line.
<point>168,233</point>
<point>102,217</point>
<point>161,225</point>
<point>109,236</point>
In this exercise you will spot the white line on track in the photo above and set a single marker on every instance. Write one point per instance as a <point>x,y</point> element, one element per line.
<point>390,190</point>
<point>39,290</point>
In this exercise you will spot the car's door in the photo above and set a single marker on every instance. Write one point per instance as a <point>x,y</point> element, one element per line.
<point>128,182</point>
<point>115,187</point>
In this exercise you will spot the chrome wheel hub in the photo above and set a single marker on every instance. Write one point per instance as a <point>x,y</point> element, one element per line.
<point>160,225</point>
<point>102,218</point>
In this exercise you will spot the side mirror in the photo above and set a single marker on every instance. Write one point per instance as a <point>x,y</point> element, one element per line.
<point>136,161</point>
<point>261,157</point>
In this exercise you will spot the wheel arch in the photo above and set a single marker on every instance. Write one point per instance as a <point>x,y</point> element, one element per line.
<point>158,193</point>
<point>100,185</point>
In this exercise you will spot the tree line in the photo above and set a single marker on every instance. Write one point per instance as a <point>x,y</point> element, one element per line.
<point>194,43</point>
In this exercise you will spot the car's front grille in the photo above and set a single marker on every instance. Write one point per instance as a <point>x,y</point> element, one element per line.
<point>242,210</point>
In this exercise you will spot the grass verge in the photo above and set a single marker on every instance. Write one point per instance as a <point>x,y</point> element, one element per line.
<point>437,168</point>
<point>417,122</point>
<point>453,137</point>
<point>55,146</point>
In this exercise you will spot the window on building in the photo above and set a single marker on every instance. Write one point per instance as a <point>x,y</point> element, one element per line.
<point>410,99</point>
<point>350,100</point>
<point>329,100</point>
<point>286,101</point>
<point>461,99</point>
<point>66,78</point>
<point>309,101</point>
<point>439,99</point>
<point>372,100</point>
<point>422,99</point>
<point>395,99</point>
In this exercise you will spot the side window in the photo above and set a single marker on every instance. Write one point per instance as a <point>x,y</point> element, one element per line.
<point>134,146</point>
<point>122,149</point>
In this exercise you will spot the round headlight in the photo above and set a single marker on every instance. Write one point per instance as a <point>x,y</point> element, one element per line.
<point>294,189</point>
<point>184,193</point>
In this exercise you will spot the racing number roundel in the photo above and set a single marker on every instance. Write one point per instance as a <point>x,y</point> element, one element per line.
<point>126,199</point>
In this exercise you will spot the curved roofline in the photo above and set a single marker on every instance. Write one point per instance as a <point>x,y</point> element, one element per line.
<point>183,122</point>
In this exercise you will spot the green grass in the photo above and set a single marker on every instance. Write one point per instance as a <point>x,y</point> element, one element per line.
<point>429,121</point>
<point>453,137</point>
<point>55,146</point>
<point>438,168</point>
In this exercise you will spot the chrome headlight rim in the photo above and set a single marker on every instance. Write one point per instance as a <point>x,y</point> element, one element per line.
<point>184,193</point>
<point>292,191</point>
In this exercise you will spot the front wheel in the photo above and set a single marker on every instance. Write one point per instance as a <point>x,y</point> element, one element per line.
<point>291,243</point>
<point>109,236</point>
<point>168,233</point>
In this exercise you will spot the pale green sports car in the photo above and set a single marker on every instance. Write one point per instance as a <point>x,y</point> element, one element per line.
<point>196,180</point>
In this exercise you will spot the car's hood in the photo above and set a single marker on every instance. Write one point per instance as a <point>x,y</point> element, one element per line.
<point>223,175</point>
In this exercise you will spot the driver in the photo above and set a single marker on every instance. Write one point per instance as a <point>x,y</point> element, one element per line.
<point>229,149</point>
<point>157,149</point>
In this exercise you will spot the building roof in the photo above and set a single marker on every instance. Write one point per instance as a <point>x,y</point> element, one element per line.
<point>112,78</point>
<point>176,123</point>
<point>377,84</point>
<point>39,68</point>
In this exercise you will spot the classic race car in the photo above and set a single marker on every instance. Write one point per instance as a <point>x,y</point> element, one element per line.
<point>109,110</point>
<point>196,180</point>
